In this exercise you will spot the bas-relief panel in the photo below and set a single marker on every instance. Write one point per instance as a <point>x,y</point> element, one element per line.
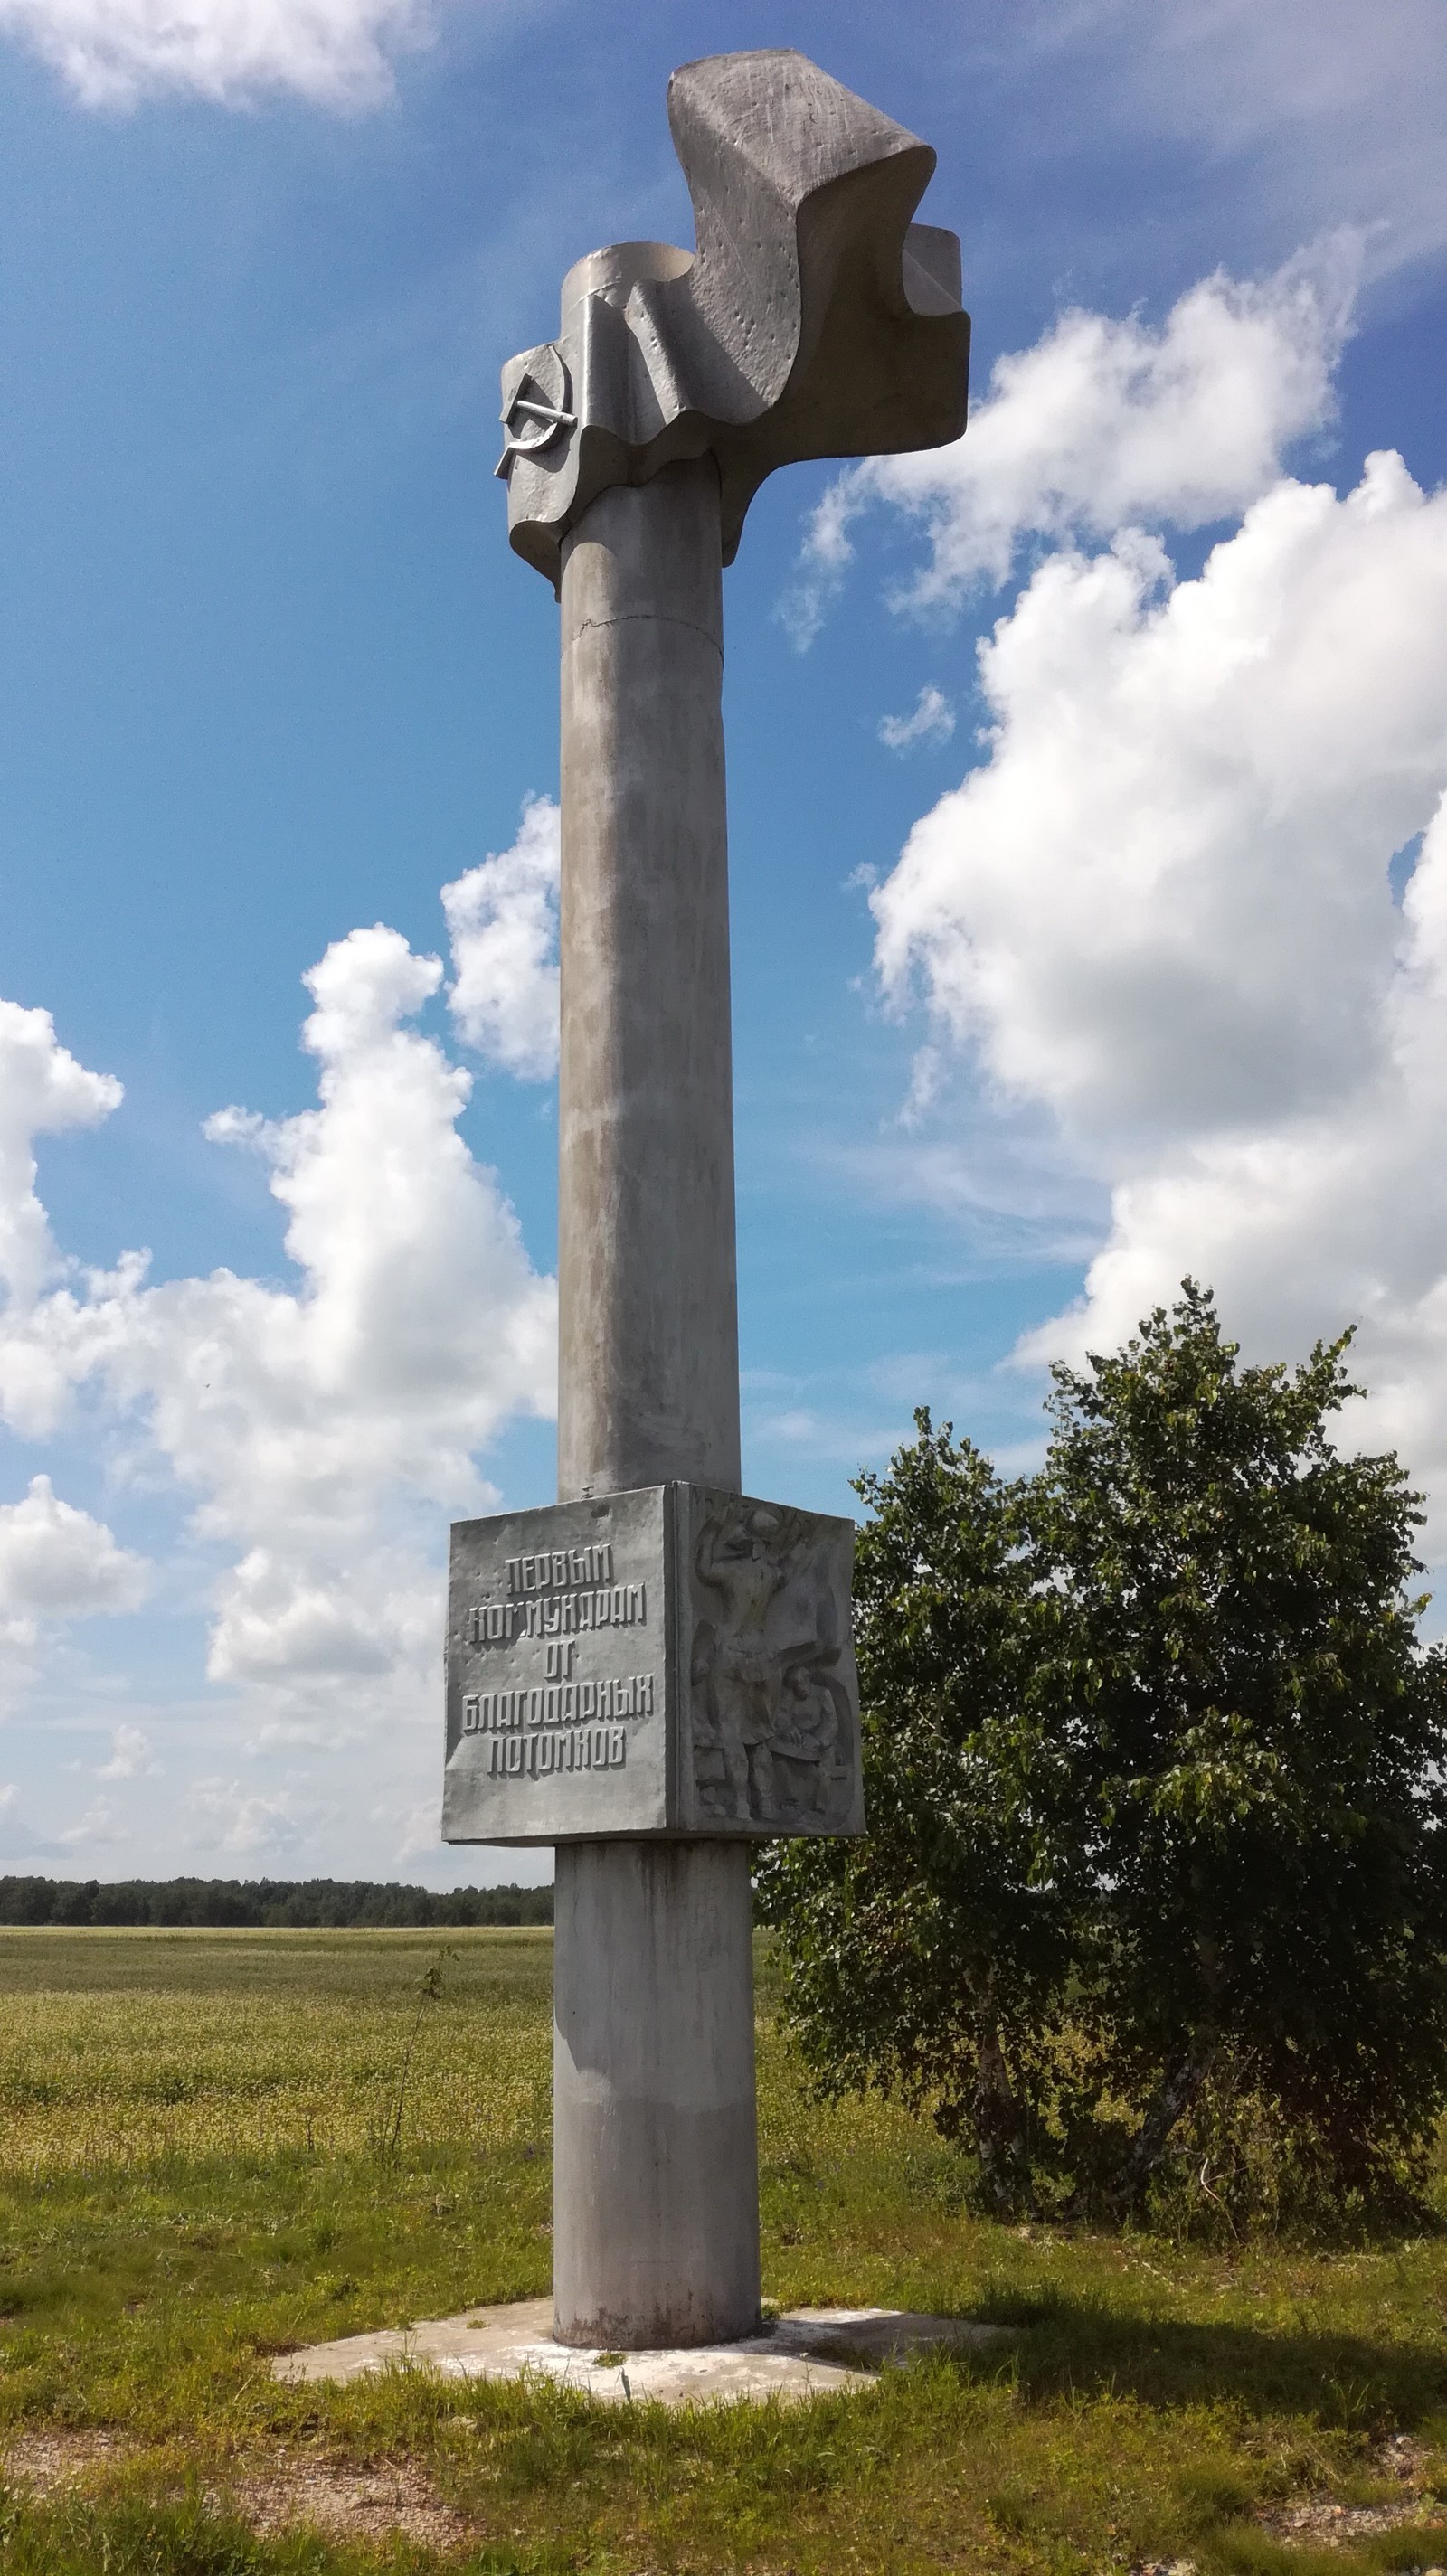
<point>661,1662</point>
<point>773,1695</point>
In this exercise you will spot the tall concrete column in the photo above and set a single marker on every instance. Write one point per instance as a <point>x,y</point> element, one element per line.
<point>648,1367</point>
<point>655,2195</point>
<point>813,319</point>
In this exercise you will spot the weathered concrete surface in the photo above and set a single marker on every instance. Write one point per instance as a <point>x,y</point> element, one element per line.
<point>655,2156</point>
<point>648,1378</point>
<point>809,2353</point>
<point>813,319</point>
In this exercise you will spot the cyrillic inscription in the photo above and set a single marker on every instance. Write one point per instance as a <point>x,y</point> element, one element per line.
<point>556,1704</point>
<point>590,1748</point>
<point>554,1568</point>
<point>569,1614</point>
<point>557,1685</point>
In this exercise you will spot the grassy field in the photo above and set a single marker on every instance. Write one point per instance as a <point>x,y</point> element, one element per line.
<point>207,2155</point>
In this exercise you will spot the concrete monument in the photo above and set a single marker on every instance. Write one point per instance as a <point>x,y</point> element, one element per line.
<point>657,1671</point>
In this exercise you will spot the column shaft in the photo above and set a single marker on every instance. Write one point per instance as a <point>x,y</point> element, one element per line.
<point>655,2175</point>
<point>655,2159</point>
<point>648,1323</point>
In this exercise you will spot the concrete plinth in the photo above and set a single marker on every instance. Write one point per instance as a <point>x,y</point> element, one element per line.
<point>813,2352</point>
<point>655,2160</point>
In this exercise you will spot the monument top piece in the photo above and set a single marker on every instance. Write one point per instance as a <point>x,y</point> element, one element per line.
<point>813,318</point>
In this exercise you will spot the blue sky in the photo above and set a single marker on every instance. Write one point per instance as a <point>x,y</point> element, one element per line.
<point>1153,986</point>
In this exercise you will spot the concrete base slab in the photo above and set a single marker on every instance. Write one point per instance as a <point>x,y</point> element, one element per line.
<point>805,2354</point>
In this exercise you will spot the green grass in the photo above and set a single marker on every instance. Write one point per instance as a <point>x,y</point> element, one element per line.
<point>194,2175</point>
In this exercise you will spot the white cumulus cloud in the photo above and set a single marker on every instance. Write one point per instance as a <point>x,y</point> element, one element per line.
<point>312,1425</point>
<point>43,1091</point>
<point>132,1756</point>
<point>99,1824</point>
<point>502,920</point>
<point>57,1563</point>
<point>1336,1213</point>
<point>223,1815</point>
<point>1162,902</point>
<point>931,719</point>
<point>1161,909</point>
<point>1107,423</point>
<point>111,53</point>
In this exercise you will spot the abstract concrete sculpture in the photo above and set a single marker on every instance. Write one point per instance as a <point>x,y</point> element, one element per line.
<point>657,1671</point>
<point>813,319</point>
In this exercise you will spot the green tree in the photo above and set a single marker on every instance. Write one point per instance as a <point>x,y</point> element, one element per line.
<point>928,1958</point>
<point>1154,1771</point>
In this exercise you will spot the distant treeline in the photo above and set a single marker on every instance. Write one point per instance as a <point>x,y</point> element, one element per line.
<point>259,1903</point>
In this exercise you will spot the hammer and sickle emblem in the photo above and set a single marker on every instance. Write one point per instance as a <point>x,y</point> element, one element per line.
<point>536,391</point>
